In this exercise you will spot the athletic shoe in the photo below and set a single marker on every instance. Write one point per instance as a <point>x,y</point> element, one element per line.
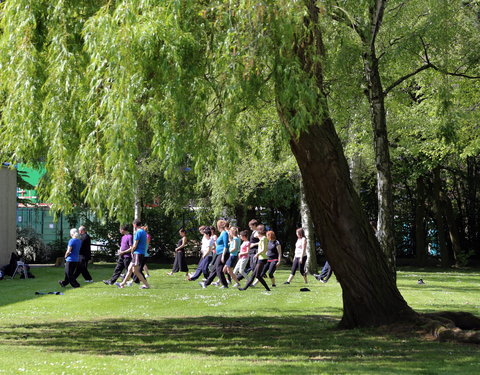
<point>129,283</point>
<point>202,284</point>
<point>60,282</point>
<point>89,281</point>
<point>107,282</point>
<point>223,287</point>
<point>215,283</point>
<point>236,285</point>
<point>119,285</point>
<point>286,282</point>
<point>144,287</point>
<point>242,289</point>
<point>323,281</point>
<point>147,276</point>
<point>274,285</point>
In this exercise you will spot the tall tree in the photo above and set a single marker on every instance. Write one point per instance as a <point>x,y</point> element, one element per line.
<point>184,70</point>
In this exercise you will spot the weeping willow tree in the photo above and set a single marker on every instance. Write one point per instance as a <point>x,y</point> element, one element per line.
<point>95,87</point>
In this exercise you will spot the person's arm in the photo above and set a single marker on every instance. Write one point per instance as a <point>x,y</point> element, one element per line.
<point>183,245</point>
<point>69,250</point>
<point>304,249</point>
<point>279,249</point>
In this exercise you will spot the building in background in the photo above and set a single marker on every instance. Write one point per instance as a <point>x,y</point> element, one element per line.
<point>8,205</point>
<point>33,213</point>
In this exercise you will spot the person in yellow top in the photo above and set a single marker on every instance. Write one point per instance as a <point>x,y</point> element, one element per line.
<point>261,258</point>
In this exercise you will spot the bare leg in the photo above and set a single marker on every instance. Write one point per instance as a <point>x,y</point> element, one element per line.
<point>136,270</point>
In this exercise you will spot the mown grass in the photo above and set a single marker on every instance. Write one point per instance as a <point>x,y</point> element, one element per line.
<point>179,328</point>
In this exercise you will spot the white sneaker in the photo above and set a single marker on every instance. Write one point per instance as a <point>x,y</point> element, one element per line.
<point>129,283</point>
<point>236,285</point>
<point>202,284</point>
<point>215,283</point>
<point>89,281</point>
<point>147,276</point>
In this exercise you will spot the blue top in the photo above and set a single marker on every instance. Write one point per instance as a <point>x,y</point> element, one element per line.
<point>222,242</point>
<point>75,244</point>
<point>235,246</point>
<point>141,237</point>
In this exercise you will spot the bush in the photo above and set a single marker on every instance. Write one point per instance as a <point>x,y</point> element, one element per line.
<point>30,246</point>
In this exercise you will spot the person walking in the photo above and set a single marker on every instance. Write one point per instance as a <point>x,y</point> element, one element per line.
<point>206,258</point>
<point>325,274</point>
<point>72,257</point>
<point>234,249</point>
<point>221,253</point>
<point>138,248</point>
<point>261,259</point>
<point>180,262</point>
<point>124,255</point>
<point>300,259</point>
<point>274,256</point>
<point>243,256</point>
<point>85,254</point>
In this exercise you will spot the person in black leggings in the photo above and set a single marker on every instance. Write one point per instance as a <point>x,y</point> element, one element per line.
<point>300,259</point>
<point>261,259</point>
<point>274,256</point>
<point>221,253</point>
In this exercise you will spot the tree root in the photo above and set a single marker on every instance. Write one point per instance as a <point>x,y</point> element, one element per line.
<point>452,326</point>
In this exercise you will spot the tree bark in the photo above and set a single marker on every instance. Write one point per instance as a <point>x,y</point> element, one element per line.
<point>439,218</point>
<point>307,225</point>
<point>370,294</point>
<point>376,99</point>
<point>420,230</point>
<point>453,232</point>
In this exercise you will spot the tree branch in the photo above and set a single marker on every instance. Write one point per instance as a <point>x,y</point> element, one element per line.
<point>405,77</point>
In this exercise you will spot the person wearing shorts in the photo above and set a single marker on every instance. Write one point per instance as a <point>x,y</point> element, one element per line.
<point>138,253</point>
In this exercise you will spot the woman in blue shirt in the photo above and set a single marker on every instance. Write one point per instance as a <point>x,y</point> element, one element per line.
<point>72,257</point>
<point>221,250</point>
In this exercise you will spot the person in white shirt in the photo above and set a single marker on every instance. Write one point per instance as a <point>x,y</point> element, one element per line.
<point>300,259</point>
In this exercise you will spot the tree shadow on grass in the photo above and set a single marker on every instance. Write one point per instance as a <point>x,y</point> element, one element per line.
<point>278,339</point>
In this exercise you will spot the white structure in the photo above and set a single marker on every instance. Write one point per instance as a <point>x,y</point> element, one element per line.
<point>8,206</point>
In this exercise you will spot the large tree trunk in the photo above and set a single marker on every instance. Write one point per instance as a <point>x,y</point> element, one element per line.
<point>420,230</point>
<point>307,225</point>
<point>370,293</point>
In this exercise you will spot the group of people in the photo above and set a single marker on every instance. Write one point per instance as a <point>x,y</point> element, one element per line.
<point>231,255</point>
<point>77,256</point>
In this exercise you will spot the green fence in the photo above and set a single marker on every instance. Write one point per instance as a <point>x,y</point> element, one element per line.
<point>42,222</point>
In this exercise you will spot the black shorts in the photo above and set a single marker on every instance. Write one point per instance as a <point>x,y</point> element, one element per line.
<point>137,259</point>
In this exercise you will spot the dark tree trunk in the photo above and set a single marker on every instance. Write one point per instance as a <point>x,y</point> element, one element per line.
<point>439,218</point>
<point>370,294</point>
<point>241,216</point>
<point>452,228</point>
<point>420,230</point>
<point>471,203</point>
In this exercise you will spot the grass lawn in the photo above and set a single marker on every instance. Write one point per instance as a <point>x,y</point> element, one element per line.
<point>178,328</point>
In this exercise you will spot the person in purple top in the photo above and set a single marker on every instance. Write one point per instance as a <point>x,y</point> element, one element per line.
<point>138,249</point>
<point>72,258</point>
<point>124,255</point>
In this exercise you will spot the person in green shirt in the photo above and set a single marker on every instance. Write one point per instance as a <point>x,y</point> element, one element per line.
<point>261,258</point>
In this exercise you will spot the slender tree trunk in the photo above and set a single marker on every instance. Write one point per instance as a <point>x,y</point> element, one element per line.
<point>420,230</point>
<point>439,219</point>
<point>376,98</point>
<point>471,203</point>
<point>452,227</point>
<point>370,294</point>
<point>307,225</point>
<point>137,204</point>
